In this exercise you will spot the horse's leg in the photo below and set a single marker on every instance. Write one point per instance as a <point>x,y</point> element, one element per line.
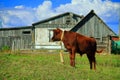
<point>72,58</point>
<point>92,61</point>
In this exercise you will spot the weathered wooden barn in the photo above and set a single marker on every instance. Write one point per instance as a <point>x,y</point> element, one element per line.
<point>16,38</point>
<point>39,34</point>
<point>43,29</point>
<point>91,25</point>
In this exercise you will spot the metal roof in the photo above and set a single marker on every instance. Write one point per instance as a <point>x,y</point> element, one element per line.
<point>57,16</point>
<point>16,28</point>
<point>86,18</point>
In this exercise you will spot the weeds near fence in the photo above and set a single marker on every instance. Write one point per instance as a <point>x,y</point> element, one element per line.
<point>5,48</point>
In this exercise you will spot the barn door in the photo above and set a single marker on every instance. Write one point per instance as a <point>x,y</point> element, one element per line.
<point>17,43</point>
<point>27,41</point>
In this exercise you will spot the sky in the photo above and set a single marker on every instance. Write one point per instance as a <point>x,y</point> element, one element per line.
<point>17,13</point>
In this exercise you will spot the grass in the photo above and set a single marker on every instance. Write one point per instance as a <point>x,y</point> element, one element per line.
<point>46,66</point>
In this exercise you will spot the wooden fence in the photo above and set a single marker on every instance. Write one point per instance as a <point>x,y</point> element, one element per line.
<point>16,42</point>
<point>104,43</point>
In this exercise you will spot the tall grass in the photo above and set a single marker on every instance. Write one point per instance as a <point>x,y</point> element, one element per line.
<point>46,66</point>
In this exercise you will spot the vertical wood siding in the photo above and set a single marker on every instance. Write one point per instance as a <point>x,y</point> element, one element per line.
<point>16,39</point>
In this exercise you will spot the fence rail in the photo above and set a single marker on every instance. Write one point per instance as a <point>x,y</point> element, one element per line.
<point>15,43</point>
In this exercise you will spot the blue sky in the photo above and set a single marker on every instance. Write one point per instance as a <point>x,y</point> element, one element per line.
<point>15,13</point>
<point>35,3</point>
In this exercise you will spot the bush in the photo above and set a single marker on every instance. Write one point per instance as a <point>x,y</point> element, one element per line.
<point>5,48</point>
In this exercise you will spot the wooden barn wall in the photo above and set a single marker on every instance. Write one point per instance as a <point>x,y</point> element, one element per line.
<point>97,29</point>
<point>43,30</point>
<point>67,21</point>
<point>16,39</point>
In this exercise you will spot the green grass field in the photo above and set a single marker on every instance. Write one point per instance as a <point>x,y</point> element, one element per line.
<point>46,66</point>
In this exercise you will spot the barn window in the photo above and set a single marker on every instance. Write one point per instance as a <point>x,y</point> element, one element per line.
<point>68,20</point>
<point>26,32</point>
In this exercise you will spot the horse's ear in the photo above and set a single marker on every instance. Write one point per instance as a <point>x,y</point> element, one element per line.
<point>58,29</point>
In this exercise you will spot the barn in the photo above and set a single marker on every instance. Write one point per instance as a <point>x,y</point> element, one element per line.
<point>39,35</point>
<point>16,38</point>
<point>43,29</point>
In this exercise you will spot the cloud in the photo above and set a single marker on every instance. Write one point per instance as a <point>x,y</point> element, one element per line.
<point>17,17</point>
<point>105,9</point>
<point>45,10</point>
<point>23,16</point>
<point>19,7</point>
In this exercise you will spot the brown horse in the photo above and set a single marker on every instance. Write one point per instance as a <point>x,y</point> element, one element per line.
<point>77,43</point>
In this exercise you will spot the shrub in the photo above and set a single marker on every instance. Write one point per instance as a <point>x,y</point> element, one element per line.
<point>5,48</point>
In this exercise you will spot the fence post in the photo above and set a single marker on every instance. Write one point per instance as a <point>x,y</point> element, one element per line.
<point>109,45</point>
<point>61,53</point>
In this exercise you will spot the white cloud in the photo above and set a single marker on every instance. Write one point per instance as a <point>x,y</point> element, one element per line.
<point>17,17</point>
<point>22,16</point>
<point>45,10</point>
<point>102,8</point>
<point>19,7</point>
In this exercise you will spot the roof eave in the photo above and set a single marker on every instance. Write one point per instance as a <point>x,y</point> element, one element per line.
<point>16,28</point>
<point>86,18</point>
<point>54,17</point>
